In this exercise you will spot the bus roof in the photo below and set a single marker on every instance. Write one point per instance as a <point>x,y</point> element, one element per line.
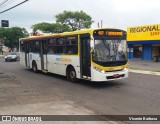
<point>39,37</point>
<point>83,31</point>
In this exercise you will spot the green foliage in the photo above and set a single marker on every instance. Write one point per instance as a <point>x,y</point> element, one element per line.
<point>44,27</point>
<point>76,20</point>
<point>66,21</point>
<point>51,27</point>
<point>12,35</point>
<point>59,28</point>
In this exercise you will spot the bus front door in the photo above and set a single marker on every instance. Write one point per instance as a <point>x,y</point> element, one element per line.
<point>27,54</point>
<point>85,56</point>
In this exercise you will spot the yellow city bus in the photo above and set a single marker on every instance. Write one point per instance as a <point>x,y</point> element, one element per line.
<point>91,54</point>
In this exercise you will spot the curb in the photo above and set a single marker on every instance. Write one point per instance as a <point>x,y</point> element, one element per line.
<point>144,72</point>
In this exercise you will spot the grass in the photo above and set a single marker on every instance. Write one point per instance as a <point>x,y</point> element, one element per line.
<point>157,70</point>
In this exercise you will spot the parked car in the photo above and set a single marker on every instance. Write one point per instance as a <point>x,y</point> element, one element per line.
<point>12,56</point>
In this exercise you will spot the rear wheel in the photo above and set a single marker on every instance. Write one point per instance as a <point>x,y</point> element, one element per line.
<point>34,67</point>
<point>72,75</point>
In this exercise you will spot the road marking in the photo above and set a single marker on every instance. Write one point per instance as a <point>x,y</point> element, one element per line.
<point>145,72</point>
<point>113,122</point>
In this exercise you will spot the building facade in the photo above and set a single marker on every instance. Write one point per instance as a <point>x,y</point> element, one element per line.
<point>143,42</point>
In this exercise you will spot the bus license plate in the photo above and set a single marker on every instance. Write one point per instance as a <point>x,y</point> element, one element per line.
<point>116,75</point>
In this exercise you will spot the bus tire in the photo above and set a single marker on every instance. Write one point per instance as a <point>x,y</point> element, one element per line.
<point>34,66</point>
<point>72,75</point>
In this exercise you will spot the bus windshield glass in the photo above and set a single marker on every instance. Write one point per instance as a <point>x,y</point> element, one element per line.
<point>109,50</point>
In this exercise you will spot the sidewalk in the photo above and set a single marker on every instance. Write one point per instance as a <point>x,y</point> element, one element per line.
<point>144,67</point>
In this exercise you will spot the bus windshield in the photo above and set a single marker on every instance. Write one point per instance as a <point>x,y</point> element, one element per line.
<point>109,50</point>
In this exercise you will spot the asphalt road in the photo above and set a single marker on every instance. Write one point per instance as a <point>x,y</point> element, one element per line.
<point>136,95</point>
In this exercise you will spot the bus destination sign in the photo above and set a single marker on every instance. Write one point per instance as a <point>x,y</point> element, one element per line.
<point>108,33</point>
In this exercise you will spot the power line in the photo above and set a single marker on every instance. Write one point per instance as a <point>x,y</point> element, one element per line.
<point>13,7</point>
<point>8,3</point>
<point>3,2</point>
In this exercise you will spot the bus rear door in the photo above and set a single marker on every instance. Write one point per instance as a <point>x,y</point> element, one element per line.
<point>27,54</point>
<point>43,55</point>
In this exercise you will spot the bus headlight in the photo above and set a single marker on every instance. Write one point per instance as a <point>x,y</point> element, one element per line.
<point>99,70</point>
<point>103,72</point>
<point>125,69</point>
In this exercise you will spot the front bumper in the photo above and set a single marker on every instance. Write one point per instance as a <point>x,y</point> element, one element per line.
<point>10,59</point>
<point>108,76</point>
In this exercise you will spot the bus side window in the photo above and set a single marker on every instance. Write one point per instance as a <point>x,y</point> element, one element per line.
<point>61,41</point>
<point>72,49</point>
<point>69,50</point>
<point>34,47</point>
<point>22,46</point>
<point>61,45</point>
<point>72,44</point>
<point>52,50</point>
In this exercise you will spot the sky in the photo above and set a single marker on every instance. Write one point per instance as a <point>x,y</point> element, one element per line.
<point>114,13</point>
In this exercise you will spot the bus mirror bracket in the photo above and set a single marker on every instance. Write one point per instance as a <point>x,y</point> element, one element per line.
<point>92,44</point>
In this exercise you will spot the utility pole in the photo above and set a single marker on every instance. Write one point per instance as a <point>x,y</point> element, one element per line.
<point>98,24</point>
<point>101,23</point>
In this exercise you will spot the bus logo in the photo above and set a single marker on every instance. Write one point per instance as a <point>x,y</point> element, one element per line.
<point>6,118</point>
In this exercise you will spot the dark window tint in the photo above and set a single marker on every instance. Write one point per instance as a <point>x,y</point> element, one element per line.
<point>52,42</point>
<point>72,44</point>
<point>22,46</point>
<point>34,46</point>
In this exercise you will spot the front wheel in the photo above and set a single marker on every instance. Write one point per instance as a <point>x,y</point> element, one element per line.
<point>72,75</point>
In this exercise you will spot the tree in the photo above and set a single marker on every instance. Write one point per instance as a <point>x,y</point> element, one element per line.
<point>76,20</point>
<point>59,28</point>
<point>44,27</point>
<point>12,35</point>
<point>51,27</point>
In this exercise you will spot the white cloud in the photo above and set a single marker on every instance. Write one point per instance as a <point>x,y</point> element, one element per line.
<point>135,6</point>
<point>114,13</point>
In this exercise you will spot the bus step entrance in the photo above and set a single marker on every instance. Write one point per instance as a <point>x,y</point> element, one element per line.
<point>45,71</point>
<point>86,78</point>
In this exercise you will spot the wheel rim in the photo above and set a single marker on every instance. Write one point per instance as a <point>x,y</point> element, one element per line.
<point>72,74</point>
